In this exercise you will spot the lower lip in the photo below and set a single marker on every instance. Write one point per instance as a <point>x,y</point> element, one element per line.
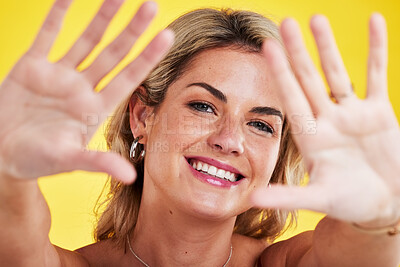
<point>212,180</point>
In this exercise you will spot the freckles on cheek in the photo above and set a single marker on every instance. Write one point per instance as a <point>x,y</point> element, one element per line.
<point>176,132</point>
<point>190,131</point>
<point>193,126</point>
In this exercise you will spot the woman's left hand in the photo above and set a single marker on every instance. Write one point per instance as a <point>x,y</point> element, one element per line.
<point>350,146</point>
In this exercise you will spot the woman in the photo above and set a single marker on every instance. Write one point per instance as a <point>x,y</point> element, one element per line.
<point>213,119</point>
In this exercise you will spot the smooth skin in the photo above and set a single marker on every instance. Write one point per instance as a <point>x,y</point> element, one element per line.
<point>197,217</point>
<point>53,99</point>
<point>346,151</point>
<point>351,158</point>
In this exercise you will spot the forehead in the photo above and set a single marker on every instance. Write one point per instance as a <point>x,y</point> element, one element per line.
<point>235,72</point>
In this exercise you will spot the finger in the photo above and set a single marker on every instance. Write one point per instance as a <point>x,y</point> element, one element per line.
<point>118,49</point>
<point>50,28</point>
<point>295,103</point>
<point>93,33</point>
<point>133,74</point>
<point>331,61</point>
<point>107,162</point>
<point>304,68</point>
<point>378,57</point>
<point>290,198</point>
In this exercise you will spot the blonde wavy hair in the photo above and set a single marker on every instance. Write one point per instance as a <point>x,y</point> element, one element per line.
<point>195,32</point>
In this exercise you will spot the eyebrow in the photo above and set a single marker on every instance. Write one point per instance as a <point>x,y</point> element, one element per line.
<point>221,96</point>
<point>267,111</point>
<point>215,92</point>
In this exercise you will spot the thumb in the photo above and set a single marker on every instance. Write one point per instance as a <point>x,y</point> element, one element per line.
<point>289,198</point>
<point>108,162</point>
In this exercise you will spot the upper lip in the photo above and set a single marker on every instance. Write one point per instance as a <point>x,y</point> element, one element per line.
<point>217,164</point>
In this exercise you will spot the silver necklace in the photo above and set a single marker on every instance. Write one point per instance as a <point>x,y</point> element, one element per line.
<point>145,264</point>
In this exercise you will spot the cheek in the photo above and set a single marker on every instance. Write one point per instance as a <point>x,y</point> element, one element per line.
<point>265,159</point>
<point>178,129</point>
<point>191,125</point>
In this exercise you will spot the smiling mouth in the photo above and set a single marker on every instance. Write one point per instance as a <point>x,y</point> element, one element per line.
<point>213,171</point>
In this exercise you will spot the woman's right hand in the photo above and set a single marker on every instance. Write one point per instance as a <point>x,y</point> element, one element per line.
<point>45,107</point>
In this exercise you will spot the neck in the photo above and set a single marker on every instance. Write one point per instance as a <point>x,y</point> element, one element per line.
<point>167,236</point>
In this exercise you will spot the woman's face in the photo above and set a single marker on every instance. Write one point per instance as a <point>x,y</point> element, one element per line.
<point>220,118</point>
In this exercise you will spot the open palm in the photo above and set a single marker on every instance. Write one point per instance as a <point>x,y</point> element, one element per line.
<point>47,107</point>
<point>349,145</point>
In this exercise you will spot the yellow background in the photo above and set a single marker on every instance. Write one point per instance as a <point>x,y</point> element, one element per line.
<point>71,196</point>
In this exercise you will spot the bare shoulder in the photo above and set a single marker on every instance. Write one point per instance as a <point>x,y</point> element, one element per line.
<point>103,253</point>
<point>247,249</point>
<point>292,252</point>
<point>71,258</point>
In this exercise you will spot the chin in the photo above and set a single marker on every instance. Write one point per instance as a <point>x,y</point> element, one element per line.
<point>209,206</point>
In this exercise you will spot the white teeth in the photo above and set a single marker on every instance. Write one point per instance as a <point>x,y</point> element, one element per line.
<point>212,170</point>
<point>205,168</point>
<point>199,166</point>
<point>220,173</point>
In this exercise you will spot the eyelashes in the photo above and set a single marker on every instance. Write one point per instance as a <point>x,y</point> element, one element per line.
<point>202,107</point>
<point>205,107</point>
<point>264,127</point>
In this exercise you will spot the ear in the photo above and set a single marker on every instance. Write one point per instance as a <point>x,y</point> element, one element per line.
<point>140,117</point>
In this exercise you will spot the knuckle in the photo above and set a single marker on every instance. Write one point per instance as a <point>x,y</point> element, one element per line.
<point>105,14</point>
<point>332,67</point>
<point>116,49</point>
<point>134,30</point>
<point>148,56</point>
<point>62,3</point>
<point>306,71</point>
<point>91,37</point>
<point>50,25</point>
<point>377,65</point>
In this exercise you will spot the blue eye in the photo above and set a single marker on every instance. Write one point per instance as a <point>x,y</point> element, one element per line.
<point>261,126</point>
<point>201,106</point>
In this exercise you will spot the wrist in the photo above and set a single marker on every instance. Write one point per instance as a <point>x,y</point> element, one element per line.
<point>378,229</point>
<point>8,178</point>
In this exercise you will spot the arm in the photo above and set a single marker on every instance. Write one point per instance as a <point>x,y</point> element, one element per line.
<point>43,108</point>
<point>351,158</point>
<point>356,248</point>
<point>25,220</point>
<point>334,243</point>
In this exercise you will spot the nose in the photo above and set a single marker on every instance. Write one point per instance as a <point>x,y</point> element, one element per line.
<point>227,138</point>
